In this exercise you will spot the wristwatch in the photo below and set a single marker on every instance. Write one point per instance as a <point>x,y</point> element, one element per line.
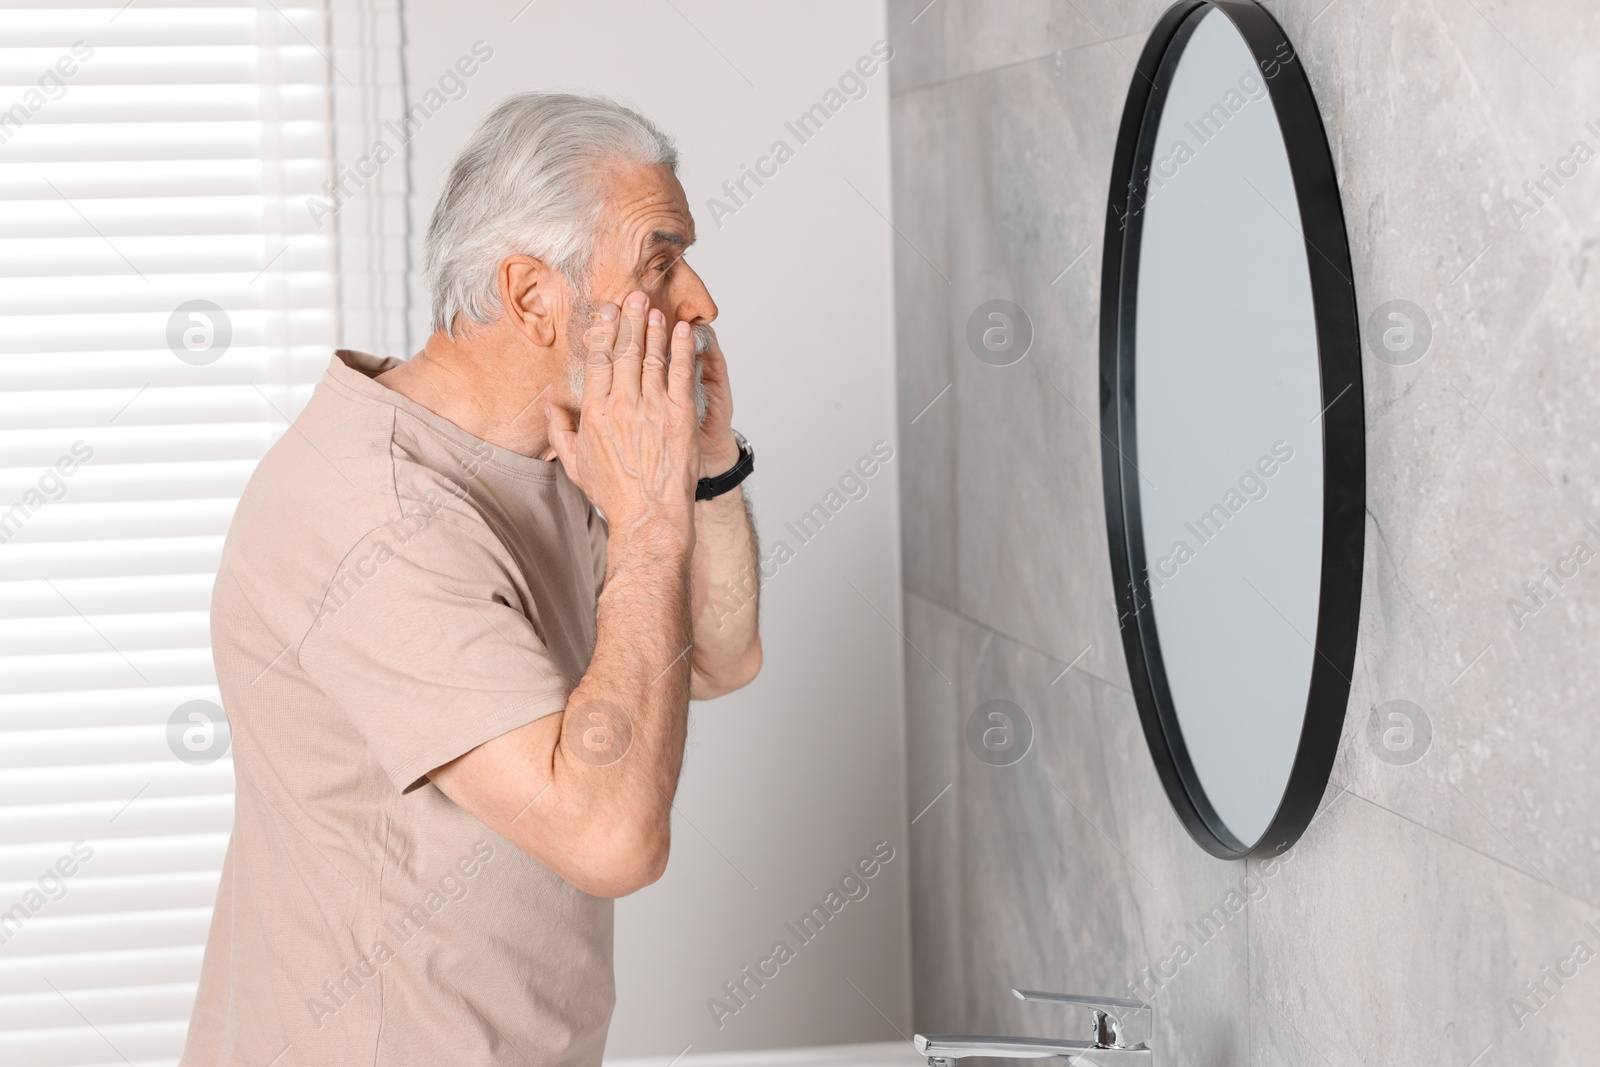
<point>715,487</point>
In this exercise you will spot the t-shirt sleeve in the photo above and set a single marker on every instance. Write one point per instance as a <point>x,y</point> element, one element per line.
<point>423,642</point>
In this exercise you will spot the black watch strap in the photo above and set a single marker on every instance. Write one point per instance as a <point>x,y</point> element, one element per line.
<point>715,487</point>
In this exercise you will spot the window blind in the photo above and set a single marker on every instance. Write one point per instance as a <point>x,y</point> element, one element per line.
<point>166,305</point>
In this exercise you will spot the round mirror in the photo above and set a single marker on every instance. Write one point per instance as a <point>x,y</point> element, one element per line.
<point>1231,407</point>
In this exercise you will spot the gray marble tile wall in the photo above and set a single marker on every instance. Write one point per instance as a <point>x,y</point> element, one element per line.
<point>1440,910</point>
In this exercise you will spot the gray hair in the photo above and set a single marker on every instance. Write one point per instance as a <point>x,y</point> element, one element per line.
<point>530,183</point>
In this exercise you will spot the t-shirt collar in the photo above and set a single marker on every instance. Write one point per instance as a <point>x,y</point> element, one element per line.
<point>357,372</point>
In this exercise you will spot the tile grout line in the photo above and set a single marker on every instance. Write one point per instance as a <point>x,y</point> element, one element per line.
<point>1014,639</point>
<point>1496,860</point>
<point>1010,64</point>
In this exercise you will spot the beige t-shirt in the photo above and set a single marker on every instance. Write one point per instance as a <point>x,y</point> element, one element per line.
<point>394,592</point>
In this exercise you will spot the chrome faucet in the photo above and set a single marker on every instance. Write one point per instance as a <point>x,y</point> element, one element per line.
<point>1119,1028</point>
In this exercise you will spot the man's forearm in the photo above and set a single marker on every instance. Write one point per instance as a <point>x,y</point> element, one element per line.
<point>588,792</point>
<point>641,637</point>
<point>627,720</point>
<point>725,594</point>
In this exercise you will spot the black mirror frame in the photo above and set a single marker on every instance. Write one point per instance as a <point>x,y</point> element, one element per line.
<point>1343,423</point>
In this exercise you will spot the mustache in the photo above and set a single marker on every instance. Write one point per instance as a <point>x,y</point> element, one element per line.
<point>703,336</point>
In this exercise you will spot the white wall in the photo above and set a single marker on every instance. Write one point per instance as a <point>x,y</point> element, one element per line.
<point>790,781</point>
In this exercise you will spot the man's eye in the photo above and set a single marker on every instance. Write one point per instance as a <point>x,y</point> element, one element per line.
<point>665,265</point>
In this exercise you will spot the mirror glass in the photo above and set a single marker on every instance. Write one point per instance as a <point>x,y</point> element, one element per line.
<point>1228,391</point>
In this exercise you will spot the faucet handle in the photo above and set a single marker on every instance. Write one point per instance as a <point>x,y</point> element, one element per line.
<point>1129,1021</point>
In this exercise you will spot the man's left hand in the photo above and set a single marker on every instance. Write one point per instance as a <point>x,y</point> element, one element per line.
<point>719,450</point>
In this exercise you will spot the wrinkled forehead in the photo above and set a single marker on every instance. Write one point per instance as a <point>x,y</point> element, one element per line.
<point>646,212</point>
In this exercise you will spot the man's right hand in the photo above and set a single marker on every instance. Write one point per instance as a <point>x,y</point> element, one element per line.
<point>634,448</point>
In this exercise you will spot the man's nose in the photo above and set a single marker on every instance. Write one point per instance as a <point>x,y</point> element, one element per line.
<point>696,305</point>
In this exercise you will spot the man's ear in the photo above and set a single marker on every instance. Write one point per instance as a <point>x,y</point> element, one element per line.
<point>530,293</point>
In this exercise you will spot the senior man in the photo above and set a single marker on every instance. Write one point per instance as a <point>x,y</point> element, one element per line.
<point>461,611</point>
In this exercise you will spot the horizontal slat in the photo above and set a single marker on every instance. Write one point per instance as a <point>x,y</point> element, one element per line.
<point>111,669</point>
<point>51,333</point>
<point>209,21</point>
<point>147,10</point>
<point>128,746</point>
<point>191,480</point>
<point>85,525</point>
<point>93,559</point>
<point>82,894</point>
<point>99,970</point>
<point>153,103</point>
<point>91,708</point>
<point>47,784</point>
<point>107,8</point>
<point>33,449</point>
<point>57,27</point>
<point>169,928</point>
<point>70,633</point>
<point>152,177</point>
<point>136,517</point>
<point>23,1015</point>
<point>55,217</point>
<point>96,408</point>
<point>99,821</point>
<point>162,103</point>
<point>145,255</point>
<point>115,858</point>
<point>163,64</point>
<point>41,141</point>
<point>311,289</point>
<point>139,749</point>
<point>104,596</point>
<point>149,259</point>
<point>132,1043</point>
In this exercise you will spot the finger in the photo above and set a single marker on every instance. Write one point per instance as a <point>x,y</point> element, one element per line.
<point>713,365</point>
<point>563,438</point>
<point>629,362</point>
<point>653,380</point>
<point>680,373</point>
<point>599,342</point>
